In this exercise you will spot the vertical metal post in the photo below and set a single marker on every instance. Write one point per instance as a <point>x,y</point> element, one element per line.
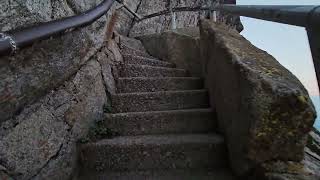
<point>213,13</point>
<point>214,18</point>
<point>314,41</point>
<point>173,17</point>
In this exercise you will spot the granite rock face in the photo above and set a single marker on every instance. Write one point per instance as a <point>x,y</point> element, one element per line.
<point>40,142</point>
<point>162,23</point>
<point>263,109</point>
<point>34,71</point>
<point>52,92</point>
<point>183,19</point>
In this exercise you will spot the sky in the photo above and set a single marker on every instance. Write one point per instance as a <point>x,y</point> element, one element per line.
<point>288,44</point>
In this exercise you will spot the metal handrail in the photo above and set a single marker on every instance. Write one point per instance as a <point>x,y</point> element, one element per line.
<point>11,41</point>
<point>304,16</point>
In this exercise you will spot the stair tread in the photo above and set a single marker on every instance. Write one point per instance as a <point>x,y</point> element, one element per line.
<point>163,92</point>
<point>133,70</point>
<point>146,58</point>
<point>160,140</point>
<point>218,174</point>
<point>162,122</point>
<point>159,78</point>
<point>201,110</point>
<point>129,50</point>
<point>153,67</point>
<point>151,152</point>
<point>159,101</point>
<point>139,60</point>
<point>153,84</point>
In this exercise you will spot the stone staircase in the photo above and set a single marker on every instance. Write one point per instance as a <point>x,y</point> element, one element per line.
<point>165,126</point>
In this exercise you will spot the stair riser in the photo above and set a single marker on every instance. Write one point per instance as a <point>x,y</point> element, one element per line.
<point>149,71</point>
<point>161,123</point>
<point>218,174</point>
<point>159,101</point>
<point>185,156</point>
<point>128,59</point>
<point>153,85</point>
<point>128,50</point>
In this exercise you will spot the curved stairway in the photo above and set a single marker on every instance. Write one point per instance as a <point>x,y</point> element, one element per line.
<point>165,126</point>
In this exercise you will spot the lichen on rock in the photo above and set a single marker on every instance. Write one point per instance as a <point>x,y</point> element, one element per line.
<point>263,109</point>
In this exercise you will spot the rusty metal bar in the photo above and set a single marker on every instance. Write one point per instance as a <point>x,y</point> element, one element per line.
<point>293,15</point>
<point>304,16</point>
<point>11,41</point>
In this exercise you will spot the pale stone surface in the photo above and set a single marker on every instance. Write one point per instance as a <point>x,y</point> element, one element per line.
<point>263,110</point>
<point>181,47</point>
<point>162,23</point>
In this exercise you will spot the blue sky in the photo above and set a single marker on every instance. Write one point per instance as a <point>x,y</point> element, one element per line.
<point>288,44</point>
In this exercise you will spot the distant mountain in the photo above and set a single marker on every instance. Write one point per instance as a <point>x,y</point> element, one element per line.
<point>316,102</point>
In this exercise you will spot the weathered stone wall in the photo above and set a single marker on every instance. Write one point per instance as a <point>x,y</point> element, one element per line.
<point>263,110</point>
<point>52,92</point>
<point>162,23</point>
<point>34,71</point>
<point>183,19</point>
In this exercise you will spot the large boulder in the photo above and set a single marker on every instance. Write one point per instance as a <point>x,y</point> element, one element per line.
<point>40,142</point>
<point>263,110</point>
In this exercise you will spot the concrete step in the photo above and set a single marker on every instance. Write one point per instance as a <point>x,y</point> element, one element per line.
<point>217,174</point>
<point>139,60</point>
<point>132,43</point>
<point>162,122</point>
<point>135,52</point>
<point>131,70</point>
<point>131,153</point>
<point>145,84</point>
<point>159,101</point>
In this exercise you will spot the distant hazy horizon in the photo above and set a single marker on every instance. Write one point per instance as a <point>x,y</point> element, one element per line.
<point>288,44</point>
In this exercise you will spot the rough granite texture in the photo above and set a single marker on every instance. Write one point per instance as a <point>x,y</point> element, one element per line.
<point>164,175</point>
<point>154,152</point>
<point>131,70</point>
<point>51,92</point>
<point>159,101</point>
<point>263,110</point>
<point>34,71</point>
<point>133,59</point>
<point>147,84</point>
<point>41,142</point>
<point>162,122</point>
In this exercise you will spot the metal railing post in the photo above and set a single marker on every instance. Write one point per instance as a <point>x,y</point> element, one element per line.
<point>212,11</point>
<point>173,17</point>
